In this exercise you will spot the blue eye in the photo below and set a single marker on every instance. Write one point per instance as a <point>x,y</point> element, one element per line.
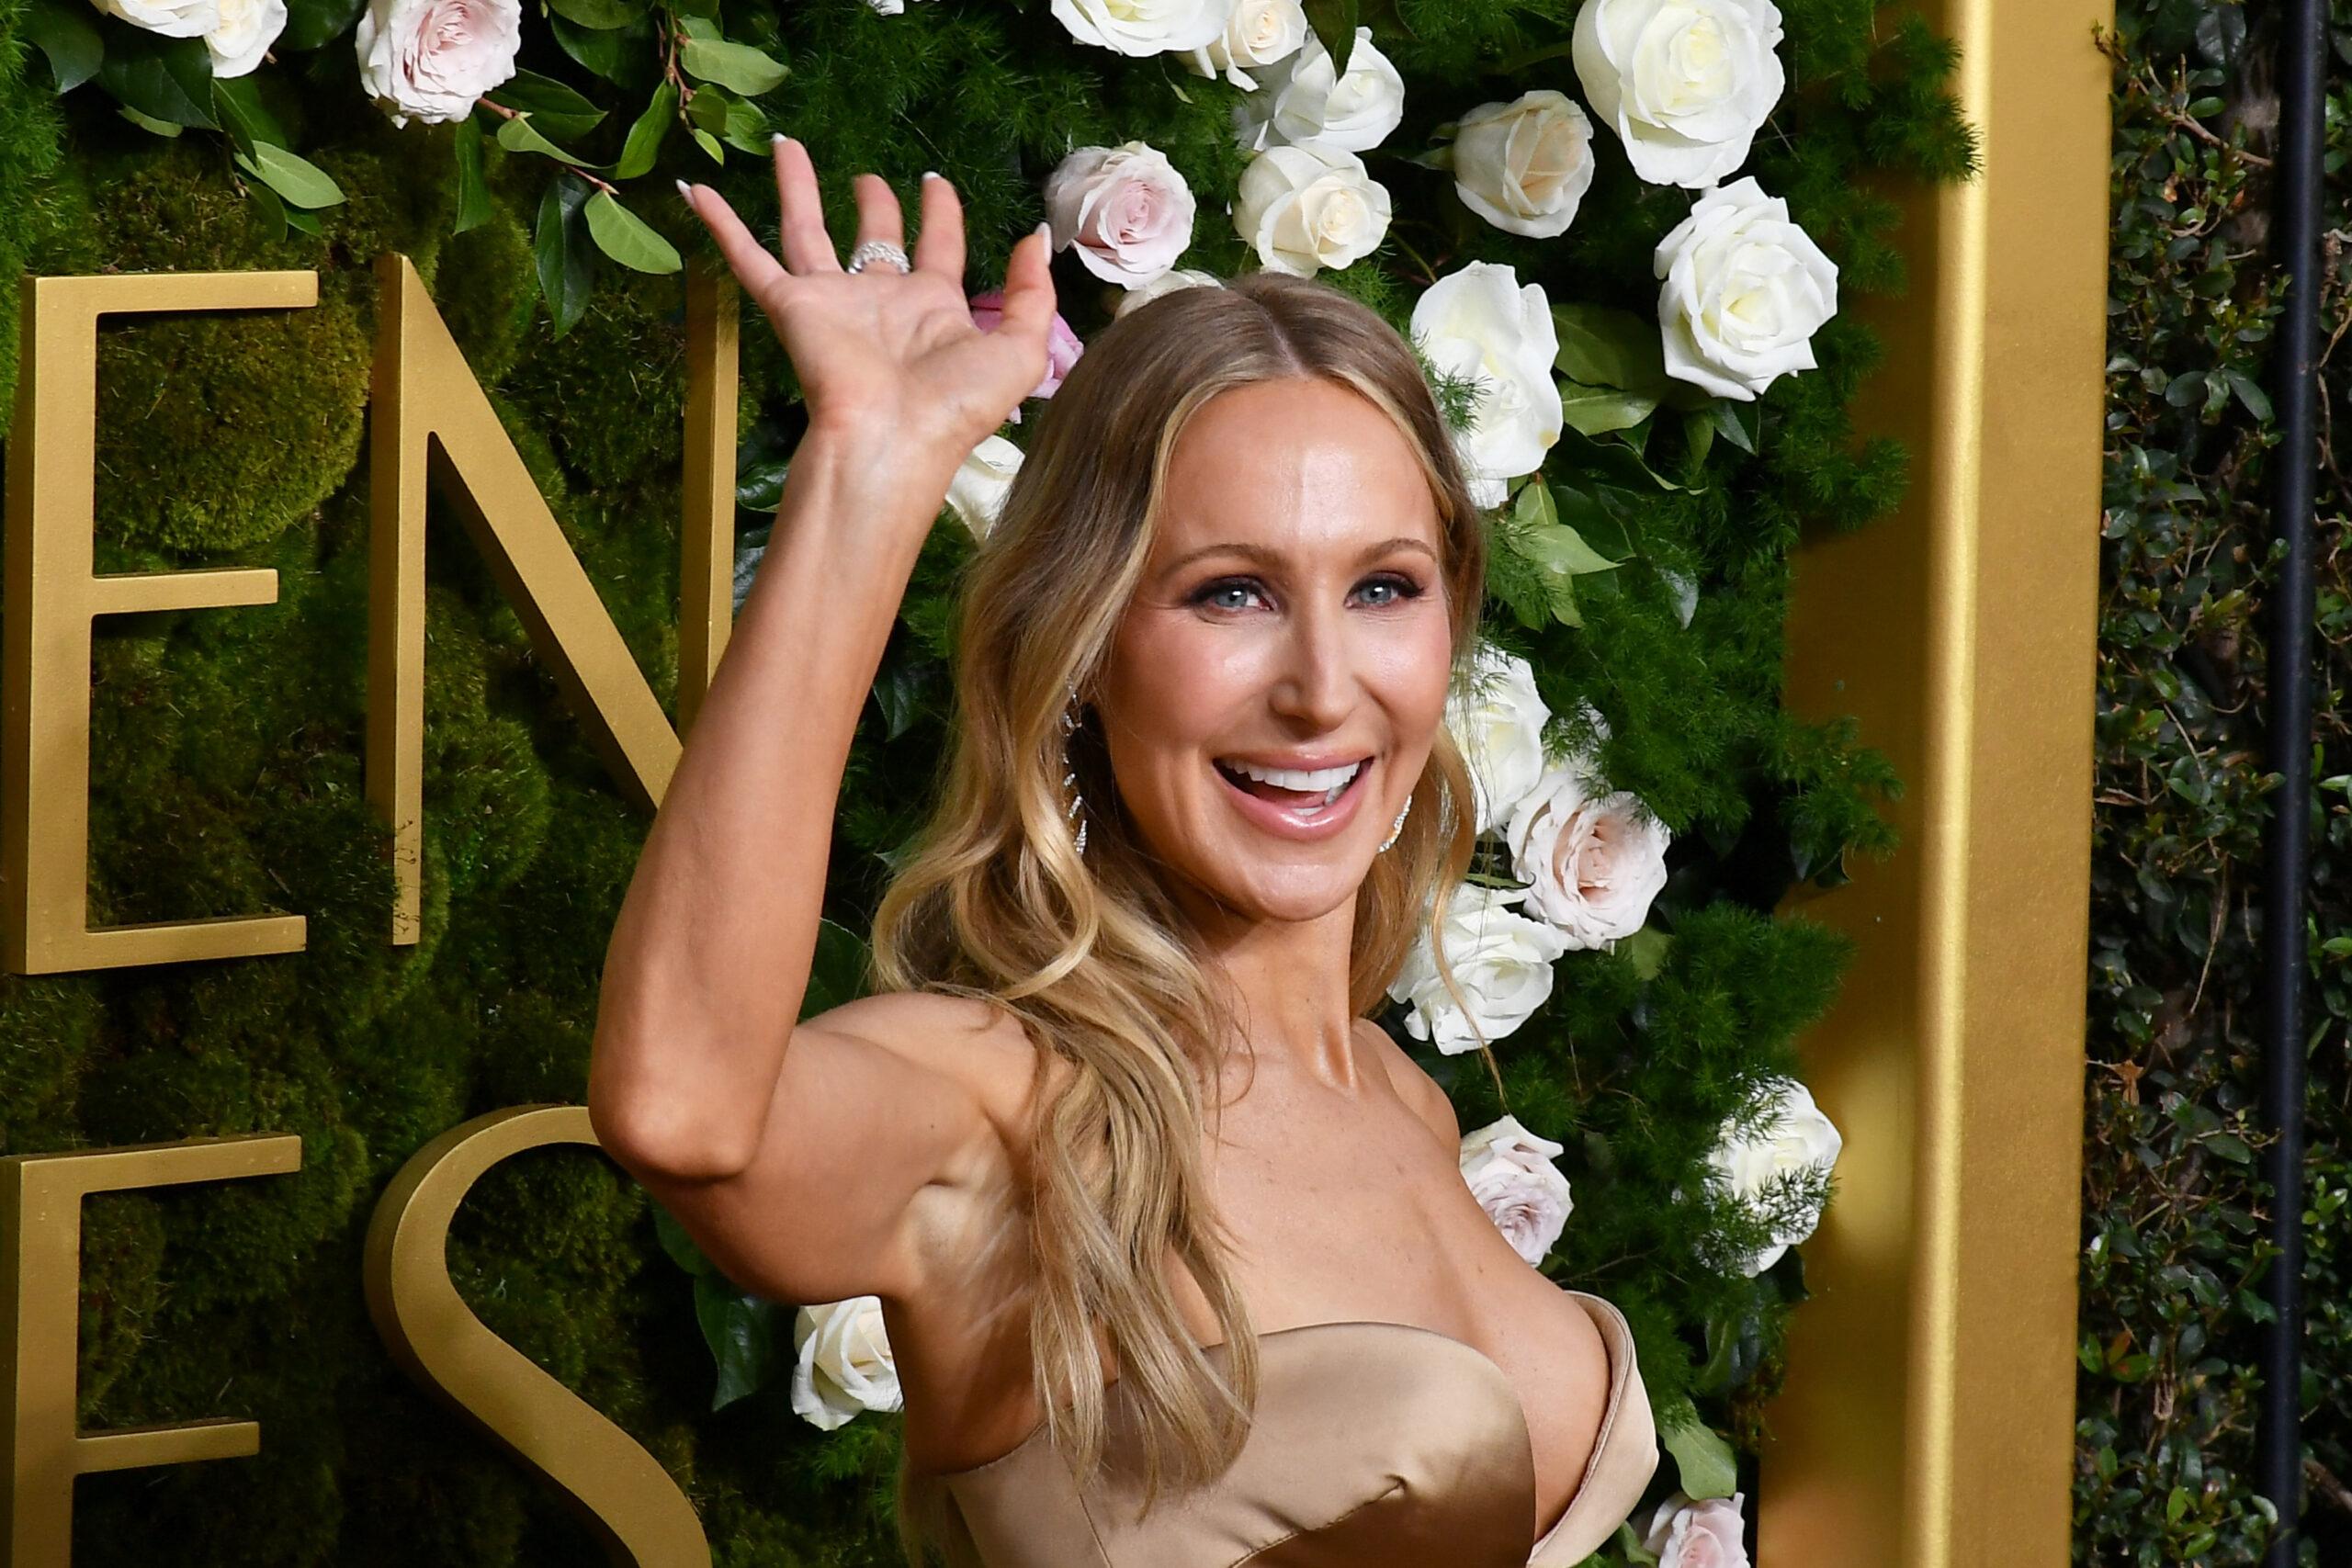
<point>1404,587</point>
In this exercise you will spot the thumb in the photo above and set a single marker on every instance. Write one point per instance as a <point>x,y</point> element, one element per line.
<point>1029,287</point>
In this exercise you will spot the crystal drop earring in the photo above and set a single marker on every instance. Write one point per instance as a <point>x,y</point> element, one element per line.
<point>1074,812</point>
<point>1398,826</point>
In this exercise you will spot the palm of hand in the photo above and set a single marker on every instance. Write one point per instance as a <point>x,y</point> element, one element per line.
<point>877,352</point>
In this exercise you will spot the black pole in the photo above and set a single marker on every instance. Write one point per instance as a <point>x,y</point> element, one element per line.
<point>2295,204</point>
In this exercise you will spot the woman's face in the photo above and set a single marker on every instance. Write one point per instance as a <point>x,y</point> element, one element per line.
<point>1291,617</point>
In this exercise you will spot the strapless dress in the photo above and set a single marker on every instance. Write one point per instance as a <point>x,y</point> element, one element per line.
<point>1375,1445</point>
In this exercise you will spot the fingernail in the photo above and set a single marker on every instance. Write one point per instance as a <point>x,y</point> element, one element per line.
<point>777,139</point>
<point>1046,231</point>
<point>930,174</point>
<point>685,191</point>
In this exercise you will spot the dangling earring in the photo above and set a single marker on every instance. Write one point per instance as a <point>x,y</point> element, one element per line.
<point>1398,826</point>
<point>1074,812</point>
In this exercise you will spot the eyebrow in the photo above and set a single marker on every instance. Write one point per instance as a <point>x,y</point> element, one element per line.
<point>1264,556</point>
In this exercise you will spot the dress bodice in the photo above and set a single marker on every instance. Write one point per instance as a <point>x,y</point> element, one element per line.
<point>1375,1445</point>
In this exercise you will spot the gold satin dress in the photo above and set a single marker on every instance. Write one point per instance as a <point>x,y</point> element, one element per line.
<point>1375,1445</point>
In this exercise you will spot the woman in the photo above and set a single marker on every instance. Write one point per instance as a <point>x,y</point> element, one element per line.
<point>1115,1104</point>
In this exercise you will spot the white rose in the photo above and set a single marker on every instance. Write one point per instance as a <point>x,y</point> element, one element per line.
<point>1302,101</point>
<point>845,1363</point>
<point>1166,282</point>
<point>1498,728</point>
<point>1501,959</point>
<point>1143,27</point>
<point>170,18</point>
<point>1596,859</point>
<point>977,493</point>
<point>1125,209</point>
<point>1259,33</point>
<point>1510,1173</point>
<point>1685,82</point>
<point>430,59</point>
<point>1525,166</point>
<point>1480,323</point>
<point>1744,290</point>
<point>1796,1137</point>
<point>1308,207</point>
<point>246,30</point>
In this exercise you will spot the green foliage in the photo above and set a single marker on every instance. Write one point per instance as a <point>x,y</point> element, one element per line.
<point>1645,573</point>
<point>2174,1255</point>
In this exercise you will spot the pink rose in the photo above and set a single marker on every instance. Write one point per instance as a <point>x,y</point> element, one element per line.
<point>1062,345</point>
<point>1125,209</point>
<point>1510,1173</point>
<point>1702,1534</point>
<point>1596,859</point>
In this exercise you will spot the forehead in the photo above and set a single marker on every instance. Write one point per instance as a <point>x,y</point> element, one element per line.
<point>1289,462</point>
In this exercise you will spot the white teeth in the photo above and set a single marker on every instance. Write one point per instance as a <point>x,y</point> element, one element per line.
<point>1329,780</point>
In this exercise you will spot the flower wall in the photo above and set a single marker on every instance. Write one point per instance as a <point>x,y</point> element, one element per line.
<point>1626,237</point>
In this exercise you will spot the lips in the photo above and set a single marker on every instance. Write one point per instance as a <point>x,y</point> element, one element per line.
<point>1290,821</point>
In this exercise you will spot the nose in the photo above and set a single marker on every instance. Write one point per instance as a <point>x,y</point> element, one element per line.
<point>1316,683</point>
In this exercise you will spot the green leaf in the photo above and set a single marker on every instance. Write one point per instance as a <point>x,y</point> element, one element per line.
<point>555,110</point>
<point>1596,410</point>
<point>310,23</point>
<point>1702,1455</point>
<point>1629,1542</point>
<point>837,973</point>
<point>708,143</point>
<point>678,1243</point>
<point>1335,23</point>
<point>562,253</point>
<point>1602,347</point>
<point>627,57</point>
<point>740,122</point>
<point>737,66</point>
<point>1646,947</point>
<point>1739,423</point>
<point>273,211</point>
<point>473,191</point>
<point>602,15</point>
<point>308,222</point>
<point>67,32</point>
<point>627,238</point>
<point>742,1331</point>
<point>644,143</point>
<point>247,120</point>
<point>519,135</point>
<point>168,79</point>
<point>1698,433</point>
<point>160,126</point>
<point>300,181</point>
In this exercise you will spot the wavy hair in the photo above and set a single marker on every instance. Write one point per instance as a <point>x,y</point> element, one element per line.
<point>994,899</point>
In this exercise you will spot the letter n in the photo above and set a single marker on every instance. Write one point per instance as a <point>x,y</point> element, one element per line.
<point>430,420</point>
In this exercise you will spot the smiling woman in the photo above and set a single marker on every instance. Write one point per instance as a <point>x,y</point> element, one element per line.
<point>1081,1135</point>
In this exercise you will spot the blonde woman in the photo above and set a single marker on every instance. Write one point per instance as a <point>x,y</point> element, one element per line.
<point>1174,1253</point>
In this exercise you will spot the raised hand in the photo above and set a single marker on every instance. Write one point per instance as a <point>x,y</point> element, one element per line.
<point>885,357</point>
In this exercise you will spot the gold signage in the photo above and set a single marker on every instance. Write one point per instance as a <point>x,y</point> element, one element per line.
<point>430,417</point>
<point>40,1301</point>
<point>620,1490</point>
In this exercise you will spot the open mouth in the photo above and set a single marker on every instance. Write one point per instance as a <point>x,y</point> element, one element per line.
<point>1305,796</point>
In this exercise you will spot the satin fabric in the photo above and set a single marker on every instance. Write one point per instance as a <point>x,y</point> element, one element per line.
<point>1375,1445</point>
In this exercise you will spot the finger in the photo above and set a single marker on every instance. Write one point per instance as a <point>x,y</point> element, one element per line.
<point>878,217</point>
<point>800,221</point>
<point>940,247</point>
<point>1029,287</point>
<point>754,267</point>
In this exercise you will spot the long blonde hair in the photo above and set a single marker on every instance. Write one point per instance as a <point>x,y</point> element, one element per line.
<point>994,899</point>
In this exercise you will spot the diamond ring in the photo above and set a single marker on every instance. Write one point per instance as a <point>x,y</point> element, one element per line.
<point>871,251</point>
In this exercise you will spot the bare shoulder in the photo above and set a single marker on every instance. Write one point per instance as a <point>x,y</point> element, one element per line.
<point>1418,1090</point>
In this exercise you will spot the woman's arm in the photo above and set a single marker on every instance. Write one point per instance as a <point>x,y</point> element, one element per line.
<point>701,1082</point>
<point>710,955</point>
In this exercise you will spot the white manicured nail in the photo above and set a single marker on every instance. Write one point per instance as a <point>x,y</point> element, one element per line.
<point>685,190</point>
<point>930,174</point>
